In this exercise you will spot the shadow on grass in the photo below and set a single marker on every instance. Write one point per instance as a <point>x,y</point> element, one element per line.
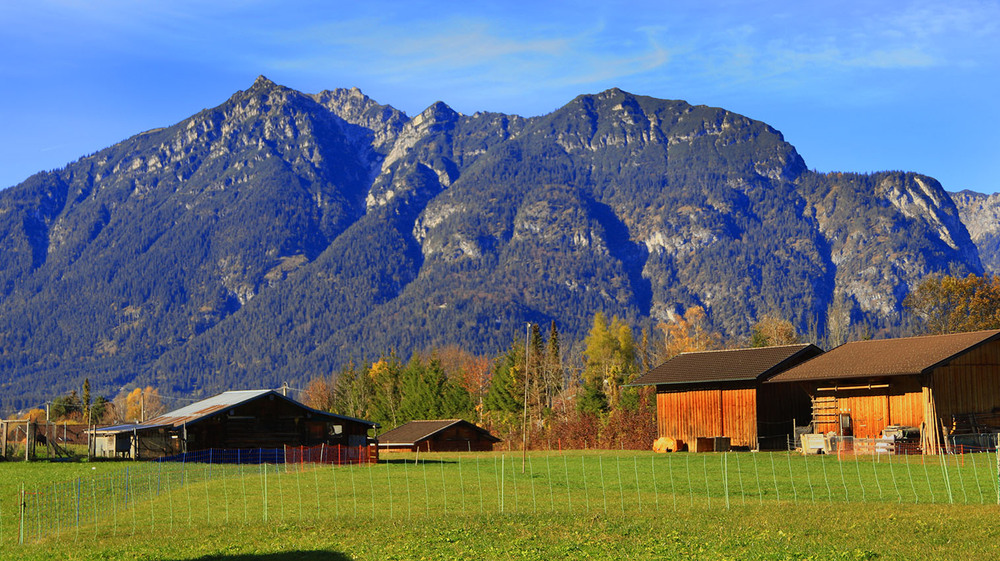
<point>283,556</point>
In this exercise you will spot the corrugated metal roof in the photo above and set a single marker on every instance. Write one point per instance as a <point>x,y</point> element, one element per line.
<point>886,357</point>
<point>728,365</point>
<point>129,428</point>
<point>225,400</point>
<point>416,431</point>
<point>205,407</point>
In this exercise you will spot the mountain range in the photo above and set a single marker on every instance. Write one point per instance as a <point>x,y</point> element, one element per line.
<point>281,234</point>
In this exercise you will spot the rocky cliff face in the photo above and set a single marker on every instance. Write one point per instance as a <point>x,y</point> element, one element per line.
<point>981,215</point>
<point>280,234</point>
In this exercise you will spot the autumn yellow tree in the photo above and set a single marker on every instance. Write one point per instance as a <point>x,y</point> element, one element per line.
<point>689,332</point>
<point>611,362</point>
<point>319,393</point>
<point>142,404</point>
<point>950,304</point>
<point>772,331</point>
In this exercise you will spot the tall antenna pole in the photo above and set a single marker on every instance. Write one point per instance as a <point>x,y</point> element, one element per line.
<point>524,420</point>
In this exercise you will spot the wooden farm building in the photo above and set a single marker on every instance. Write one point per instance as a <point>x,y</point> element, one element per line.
<point>946,385</point>
<point>720,394</point>
<point>253,419</point>
<point>449,435</point>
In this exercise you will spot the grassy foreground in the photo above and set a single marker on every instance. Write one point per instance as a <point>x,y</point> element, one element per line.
<point>578,505</point>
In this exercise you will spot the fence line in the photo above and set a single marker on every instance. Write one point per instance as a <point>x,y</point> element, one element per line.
<point>161,495</point>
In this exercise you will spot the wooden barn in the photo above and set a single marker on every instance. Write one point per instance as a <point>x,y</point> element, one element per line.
<point>253,419</point>
<point>720,394</point>
<point>946,385</point>
<point>449,435</point>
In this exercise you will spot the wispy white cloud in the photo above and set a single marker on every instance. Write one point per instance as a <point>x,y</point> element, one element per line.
<point>476,54</point>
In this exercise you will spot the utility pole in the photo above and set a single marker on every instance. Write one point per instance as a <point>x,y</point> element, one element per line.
<point>524,420</point>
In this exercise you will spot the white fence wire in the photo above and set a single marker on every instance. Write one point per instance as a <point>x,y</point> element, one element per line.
<point>137,497</point>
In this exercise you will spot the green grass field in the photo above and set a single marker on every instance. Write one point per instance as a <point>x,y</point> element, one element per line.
<point>459,506</point>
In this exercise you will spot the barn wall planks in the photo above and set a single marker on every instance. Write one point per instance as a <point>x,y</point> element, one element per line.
<point>709,411</point>
<point>871,410</point>
<point>968,384</point>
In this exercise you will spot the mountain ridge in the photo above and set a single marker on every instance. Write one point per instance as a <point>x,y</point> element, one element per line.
<point>280,234</point>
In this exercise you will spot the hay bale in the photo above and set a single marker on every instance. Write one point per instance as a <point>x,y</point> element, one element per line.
<point>667,444</point>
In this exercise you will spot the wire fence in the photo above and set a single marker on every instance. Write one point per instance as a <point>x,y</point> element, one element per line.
<point>323,454</point>
<point>166,496</point>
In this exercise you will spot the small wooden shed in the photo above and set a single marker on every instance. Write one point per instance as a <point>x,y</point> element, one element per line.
<point>448,435</point>
<point>715,394</point>
<point>947,385</point>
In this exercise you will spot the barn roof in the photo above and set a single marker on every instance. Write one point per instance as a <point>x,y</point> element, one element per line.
<point>418,431</point>
<point>887,357</point>
<point>128,427</point>
<point>727,366</point>
<point>209,407</point>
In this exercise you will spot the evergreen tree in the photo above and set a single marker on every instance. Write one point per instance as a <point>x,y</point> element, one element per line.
<point>66,407</point>
<point>86,400</point>
<point>353,392</point>
<point>99,409</point>
<point>385,376</point>
<point>420,395</point>
<point>503,395</point>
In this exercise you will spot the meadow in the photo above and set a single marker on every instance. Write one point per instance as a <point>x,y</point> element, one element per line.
<point>457,506</point>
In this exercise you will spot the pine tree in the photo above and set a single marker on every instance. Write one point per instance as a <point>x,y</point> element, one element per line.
<point>86,400</point>
<point>385,376</point>
<point>503,394</point>
<point>353,392</point>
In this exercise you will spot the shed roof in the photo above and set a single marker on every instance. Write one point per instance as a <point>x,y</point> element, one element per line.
<point>128,427</point>
<point>728,366</point>
<point>209,407</point>
<point>418,431</point>
<point>887,357</point>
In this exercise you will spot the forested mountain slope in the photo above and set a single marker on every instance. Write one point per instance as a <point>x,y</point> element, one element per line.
<point>280,234</point>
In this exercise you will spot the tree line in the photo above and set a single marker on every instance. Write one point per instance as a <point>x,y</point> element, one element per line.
<point>536,392</point>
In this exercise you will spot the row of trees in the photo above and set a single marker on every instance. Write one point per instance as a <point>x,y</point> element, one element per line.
<point>525,393</point>
<point>528,393</point>
<point>129,406</point>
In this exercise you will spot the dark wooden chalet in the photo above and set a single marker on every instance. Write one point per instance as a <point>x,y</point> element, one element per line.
<point>233,420</point>
<point>449,435</point>
<point>946,385</point>
<point>720,394</point>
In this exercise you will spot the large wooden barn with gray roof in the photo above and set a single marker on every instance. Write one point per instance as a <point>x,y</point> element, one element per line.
<point>720,394</point>
<point>947,385</point>
<point>233,420</point>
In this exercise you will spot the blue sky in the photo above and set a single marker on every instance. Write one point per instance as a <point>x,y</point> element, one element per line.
<point>855,86</point>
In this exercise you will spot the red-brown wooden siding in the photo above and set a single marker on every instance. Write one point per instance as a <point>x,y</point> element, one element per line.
<point>968,384</point>
<point>688,414</point>
<point>872,410</point>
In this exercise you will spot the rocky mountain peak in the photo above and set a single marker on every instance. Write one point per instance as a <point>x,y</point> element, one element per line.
<point>274,236</point>
<point>262,83</point>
